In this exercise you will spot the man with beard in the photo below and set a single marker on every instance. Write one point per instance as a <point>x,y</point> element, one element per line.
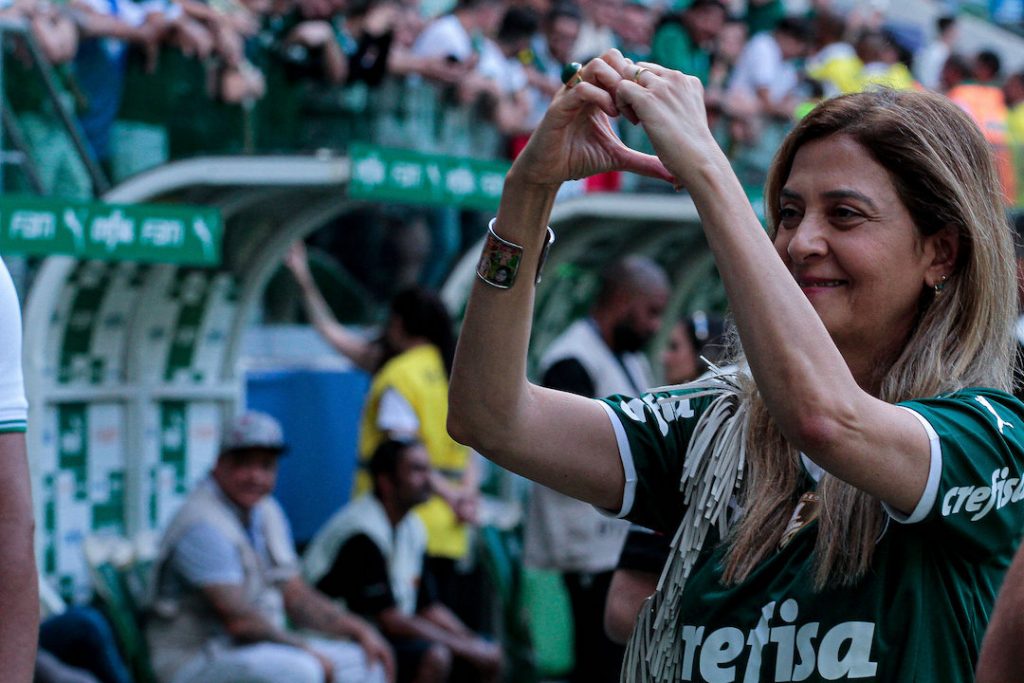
<point>597,356</point>
<point>371,555</point>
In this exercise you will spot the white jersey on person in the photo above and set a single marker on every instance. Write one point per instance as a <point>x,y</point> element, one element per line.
<point>761,65</point>
<point>13,406</point>
<point>561,532</point>
<point>403,547</point>
<point>445,37</point>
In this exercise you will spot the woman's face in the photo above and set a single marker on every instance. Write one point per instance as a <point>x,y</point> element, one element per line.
<point>679,359</point>
<point>850,244</point>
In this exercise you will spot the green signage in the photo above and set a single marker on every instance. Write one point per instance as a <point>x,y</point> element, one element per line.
<point>153,233</point>
<point>417,178</point>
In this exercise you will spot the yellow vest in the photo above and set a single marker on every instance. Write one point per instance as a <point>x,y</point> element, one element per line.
<point>986,106</point>
<point>1015,124</point>
<point>897,77</point>
<point>842,72</point>
<point>419,376</point>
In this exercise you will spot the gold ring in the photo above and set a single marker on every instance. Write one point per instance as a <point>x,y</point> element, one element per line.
<point>636,76</point>
<point>576,80</point>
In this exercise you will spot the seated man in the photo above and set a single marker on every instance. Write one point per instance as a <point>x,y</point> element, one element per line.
<point>226,576</point>
<point>370,554</point>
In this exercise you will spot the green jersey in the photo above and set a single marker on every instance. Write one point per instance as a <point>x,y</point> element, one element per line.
<point>920,612</point>
<point>673,48</point>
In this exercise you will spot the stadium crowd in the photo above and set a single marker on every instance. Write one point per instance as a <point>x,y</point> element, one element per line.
<point>501,61</point>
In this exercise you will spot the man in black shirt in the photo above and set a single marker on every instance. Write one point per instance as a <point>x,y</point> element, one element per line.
<point>370,554</point>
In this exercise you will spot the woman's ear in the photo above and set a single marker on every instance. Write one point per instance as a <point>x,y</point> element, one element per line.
<point>941,250</point>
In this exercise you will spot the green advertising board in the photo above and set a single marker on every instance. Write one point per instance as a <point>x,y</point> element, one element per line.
<point>153,233</point>
<point>414,177</point>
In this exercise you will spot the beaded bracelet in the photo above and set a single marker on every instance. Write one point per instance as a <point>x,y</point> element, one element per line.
<point>500,259</point>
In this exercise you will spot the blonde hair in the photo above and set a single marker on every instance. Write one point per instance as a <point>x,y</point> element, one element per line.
<point>942,170</point>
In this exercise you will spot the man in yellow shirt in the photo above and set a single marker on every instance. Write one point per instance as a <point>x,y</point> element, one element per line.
<point>408,397</point>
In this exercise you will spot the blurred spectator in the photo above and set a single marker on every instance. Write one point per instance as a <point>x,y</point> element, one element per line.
<point>551,50</point>
<point>366,32</point>
<point>763,15</point>
<point>728,48</point>
<point>597,32</point>
<point>834,62</point>
<point>955,71</point>
<point>983,99</point>
<point>683,41</point>
<point>371,555</point>
<point>635,29</point>
<point>765,80</point>
<point>987,67</point>
<point>53,29</point>
<point>226,25</point>
<point>107,28</point>
<point>928,62</point>
<point>228,600</point>
<point>1013,93</point>
<point>504,77</point>
<point>596,356</point>
<point>882,65</point>
<point>456,36</point>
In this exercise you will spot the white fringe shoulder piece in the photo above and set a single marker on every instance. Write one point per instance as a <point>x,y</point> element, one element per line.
<point>711,479</point>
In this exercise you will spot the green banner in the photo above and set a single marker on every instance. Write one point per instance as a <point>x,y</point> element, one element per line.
<point>152,233</point>
<point>418,178</point>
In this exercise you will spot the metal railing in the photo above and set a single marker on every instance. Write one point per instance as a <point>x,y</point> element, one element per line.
<point>14,35</point>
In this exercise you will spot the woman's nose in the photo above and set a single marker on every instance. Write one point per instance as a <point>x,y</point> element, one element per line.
<point>807,241</point>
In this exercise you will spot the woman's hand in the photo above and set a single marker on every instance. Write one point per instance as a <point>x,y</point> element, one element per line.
<point>575,139</point>
<point>670,106</point>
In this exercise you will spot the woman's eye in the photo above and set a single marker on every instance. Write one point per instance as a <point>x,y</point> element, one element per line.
<point>789,216</point>
<point>845,213</point>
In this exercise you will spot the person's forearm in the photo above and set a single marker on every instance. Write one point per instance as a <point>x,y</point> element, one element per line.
<point>444,618</point>
<point>361,352</point>
<point>557,439</point>
<point>335,63</point>
<point>253,627</point>
<point>626,594</point>
<point>488,381</point>
<point>422,627</point>
<point>308,609</point>
<point>19,588</point>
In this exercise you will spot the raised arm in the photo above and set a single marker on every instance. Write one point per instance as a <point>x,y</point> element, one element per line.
<point>807,383</point>
<point>363,353</point>
<point>562,441</point>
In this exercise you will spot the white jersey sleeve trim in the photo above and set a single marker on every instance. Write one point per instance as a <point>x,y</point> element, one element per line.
<point>931,487</point>
<point>628,468</point>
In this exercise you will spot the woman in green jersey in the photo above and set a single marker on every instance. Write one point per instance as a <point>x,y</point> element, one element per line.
<point>846,509</point>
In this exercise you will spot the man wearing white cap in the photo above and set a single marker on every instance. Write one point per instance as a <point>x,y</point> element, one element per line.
<point>226,578</point>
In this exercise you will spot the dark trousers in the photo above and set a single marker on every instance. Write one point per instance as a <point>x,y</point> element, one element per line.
<point>598,659</point>
<point>81,637</point>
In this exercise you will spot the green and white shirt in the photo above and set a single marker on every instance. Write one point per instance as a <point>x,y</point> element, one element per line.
<point>13,407</point>
<point>920,613</point>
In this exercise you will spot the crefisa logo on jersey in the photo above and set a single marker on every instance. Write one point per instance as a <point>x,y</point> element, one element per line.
<point>981,500</point>
<point>790,650</point>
